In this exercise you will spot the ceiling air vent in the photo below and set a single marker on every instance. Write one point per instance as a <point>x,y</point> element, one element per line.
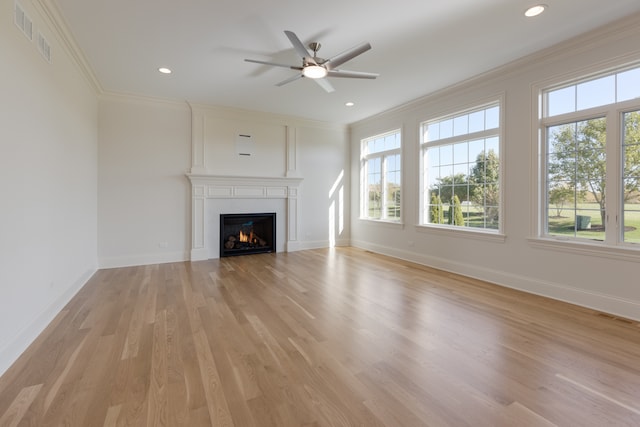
<point>44,47</point>
<point>23,21</point>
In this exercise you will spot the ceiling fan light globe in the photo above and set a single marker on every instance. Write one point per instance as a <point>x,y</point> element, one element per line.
<point>314,72</point>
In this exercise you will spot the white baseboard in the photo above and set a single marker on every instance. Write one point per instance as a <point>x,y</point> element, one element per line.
<point>292,246</point>
<point>143,259</point>
<point>319,244</point>
<point>617,306</point>
<point>343,243</point>
<point>199,254</point>
<point>24,337</point>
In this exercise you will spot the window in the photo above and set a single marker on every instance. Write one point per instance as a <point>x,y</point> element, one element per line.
<point>591,159</point>
<point>461,169</point>
<point>381,177</point>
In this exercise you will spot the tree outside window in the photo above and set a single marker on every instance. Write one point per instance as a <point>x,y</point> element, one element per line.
<point>592,159</point>
<point>577,164</point>
<point>461,163</point>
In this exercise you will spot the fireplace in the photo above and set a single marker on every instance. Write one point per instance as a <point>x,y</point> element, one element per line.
<point>244,234</point>
<point>214,195</point>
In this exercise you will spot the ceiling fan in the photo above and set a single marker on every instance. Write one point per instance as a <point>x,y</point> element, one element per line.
<point>317,68</point>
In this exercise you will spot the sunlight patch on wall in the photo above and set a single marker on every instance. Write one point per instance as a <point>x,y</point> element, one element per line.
<point>336,209</point>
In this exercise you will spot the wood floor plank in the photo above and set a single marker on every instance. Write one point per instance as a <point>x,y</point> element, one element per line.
<point>111,419</point>
<point>158,401</point>
<point>216,400</point>
<point>16,410</point>
<point>328,337</point>
<point>53,391</point>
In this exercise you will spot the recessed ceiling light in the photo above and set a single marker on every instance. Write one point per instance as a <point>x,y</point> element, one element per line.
<point>535,10</point>
<point>164,70</point>
<point>349,104</point>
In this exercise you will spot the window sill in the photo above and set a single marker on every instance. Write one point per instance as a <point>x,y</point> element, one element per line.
<point>599,250</point>
<point>462,232</point>
<point>385,222</point>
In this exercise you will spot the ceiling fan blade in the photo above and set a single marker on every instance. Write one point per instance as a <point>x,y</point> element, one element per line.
<point>293,67</point>
<point>324,84</point>
<point>289,80</point>
<point>347,55</point>
<point>298,46</point>
<point>352,74</point>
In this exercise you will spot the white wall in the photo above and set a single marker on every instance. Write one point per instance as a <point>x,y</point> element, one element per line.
<point>143,194</point>
<point>323,161</point>
<point>604,281</point>
<point>48,181</point>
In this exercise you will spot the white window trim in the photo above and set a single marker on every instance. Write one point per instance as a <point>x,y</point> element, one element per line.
<point>466,232</point>
<point>578,246</point>
<point>363,174</point>
<point>383,222</point>
<point>488,234</point>
<point>588,247</point>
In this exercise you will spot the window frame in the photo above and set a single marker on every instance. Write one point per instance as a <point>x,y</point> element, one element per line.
<point>613,244</point>
<point>365,156</point>
<point>482,233</point>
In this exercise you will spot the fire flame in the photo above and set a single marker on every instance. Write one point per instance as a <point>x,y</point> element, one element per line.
<point>246,238</point>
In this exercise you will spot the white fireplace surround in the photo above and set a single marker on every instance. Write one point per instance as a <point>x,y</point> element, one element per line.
<point>204,186</point>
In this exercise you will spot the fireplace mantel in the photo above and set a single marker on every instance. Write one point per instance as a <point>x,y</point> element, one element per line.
<point>205,186</point>
<point>240,184</point>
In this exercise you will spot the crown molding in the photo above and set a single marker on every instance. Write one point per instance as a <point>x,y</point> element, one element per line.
<point>265,117</point>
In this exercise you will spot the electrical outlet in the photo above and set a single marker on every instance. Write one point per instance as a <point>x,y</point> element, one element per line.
<point>163,244</point>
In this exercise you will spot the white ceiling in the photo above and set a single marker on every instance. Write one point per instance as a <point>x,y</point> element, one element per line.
<point>418,46</point>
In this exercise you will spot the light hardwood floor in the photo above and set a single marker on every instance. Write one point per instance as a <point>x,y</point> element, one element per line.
<point>337,337</point>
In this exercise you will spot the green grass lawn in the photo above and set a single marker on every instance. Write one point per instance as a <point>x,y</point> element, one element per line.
<point>565,224</point>
<point>474,217</point>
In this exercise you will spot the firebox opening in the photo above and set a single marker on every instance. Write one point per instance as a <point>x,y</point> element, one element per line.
<point>244,234</point>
